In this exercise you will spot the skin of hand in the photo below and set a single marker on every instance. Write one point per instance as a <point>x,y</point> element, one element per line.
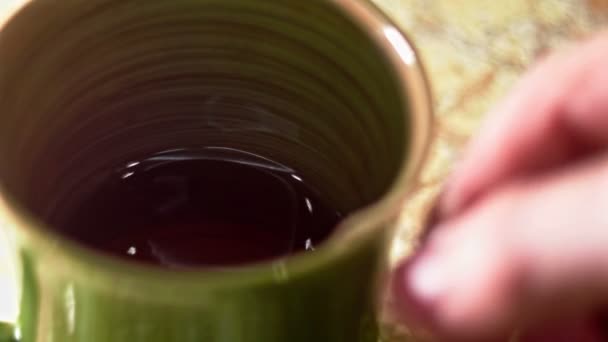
<point>521,233</point>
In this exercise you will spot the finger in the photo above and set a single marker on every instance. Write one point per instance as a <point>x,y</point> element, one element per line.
<point>528,251</point>
<point>579,329</point>
<point>557,113</point>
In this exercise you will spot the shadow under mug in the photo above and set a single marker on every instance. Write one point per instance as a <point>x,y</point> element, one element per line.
<point>331,88</point>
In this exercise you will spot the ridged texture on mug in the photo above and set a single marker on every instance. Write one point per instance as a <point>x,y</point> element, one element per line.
<point>288,80</point>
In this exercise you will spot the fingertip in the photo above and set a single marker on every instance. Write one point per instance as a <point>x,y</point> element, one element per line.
<point>455,285</point>
<point>416,311</point>
<point>419,287</point>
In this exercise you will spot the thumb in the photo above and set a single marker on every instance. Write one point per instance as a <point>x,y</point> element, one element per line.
<point>528,252</point>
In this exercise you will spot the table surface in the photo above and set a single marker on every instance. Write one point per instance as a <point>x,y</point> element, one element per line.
<point>473,50</point>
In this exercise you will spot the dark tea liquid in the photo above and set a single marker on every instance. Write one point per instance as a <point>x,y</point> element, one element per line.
<point>189,209</point>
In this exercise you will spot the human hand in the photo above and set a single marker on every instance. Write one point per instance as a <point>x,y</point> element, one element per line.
<point>521,240</point>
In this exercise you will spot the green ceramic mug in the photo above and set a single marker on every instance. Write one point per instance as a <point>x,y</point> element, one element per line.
<point>330,87</point>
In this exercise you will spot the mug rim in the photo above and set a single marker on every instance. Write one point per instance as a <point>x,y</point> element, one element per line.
<point>403,58</point>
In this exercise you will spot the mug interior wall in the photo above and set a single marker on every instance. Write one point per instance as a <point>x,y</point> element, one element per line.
<point>89,85</point>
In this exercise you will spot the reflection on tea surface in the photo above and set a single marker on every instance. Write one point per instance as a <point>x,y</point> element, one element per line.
<point>210,207</point>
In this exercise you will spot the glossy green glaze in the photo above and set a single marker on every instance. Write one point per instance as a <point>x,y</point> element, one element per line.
<point>327,87</point>
<point>6,332</point>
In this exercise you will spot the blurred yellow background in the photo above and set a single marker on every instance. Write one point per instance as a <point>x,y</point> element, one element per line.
<point>474,51</point>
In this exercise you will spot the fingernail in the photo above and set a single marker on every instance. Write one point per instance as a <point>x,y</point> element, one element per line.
<point>427,279</point>
<point>417,288</point>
